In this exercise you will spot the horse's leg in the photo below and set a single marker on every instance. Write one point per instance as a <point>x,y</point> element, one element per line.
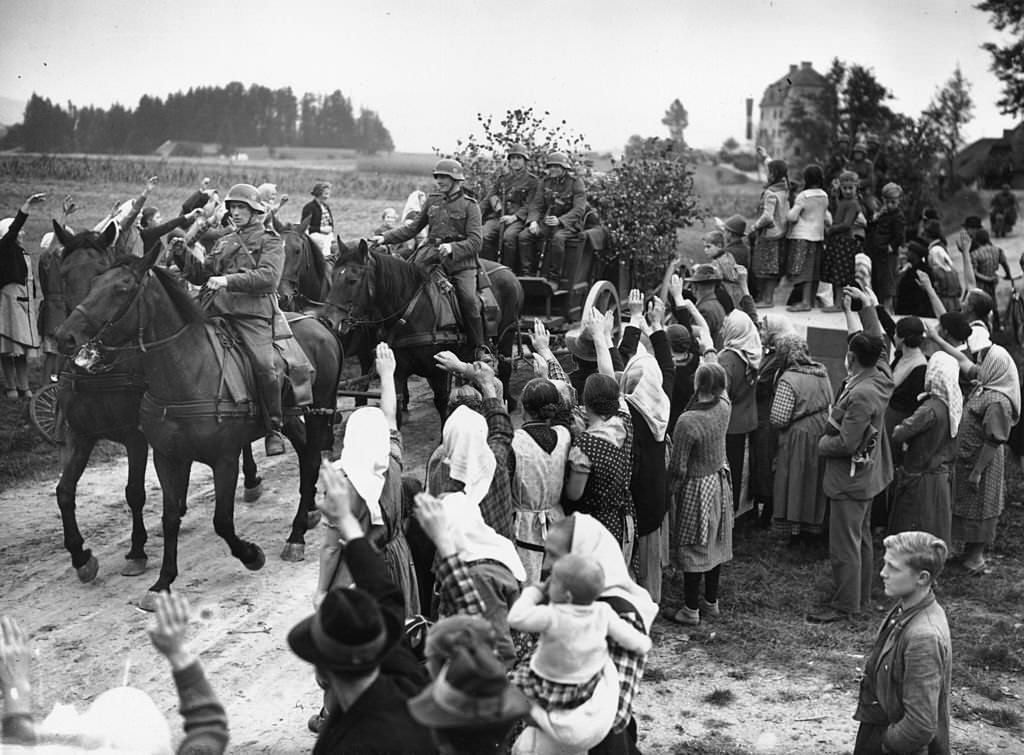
<point>225,479</point>
<point>251,482</point>
<point>440,384</point>
<point>306,515</point>
<point>79,449</point>
<point>174,476</point>
<point>505,347</point>
<point>365,353</point>
<point>135,496</point>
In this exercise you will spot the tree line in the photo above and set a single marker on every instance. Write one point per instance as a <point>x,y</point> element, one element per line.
<point>230,116</point>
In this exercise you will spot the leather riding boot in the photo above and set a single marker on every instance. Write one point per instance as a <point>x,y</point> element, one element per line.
<point>475,332</point>
<point>270,393</point>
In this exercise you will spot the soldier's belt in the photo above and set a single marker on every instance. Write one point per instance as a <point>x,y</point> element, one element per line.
<point>445,239</point>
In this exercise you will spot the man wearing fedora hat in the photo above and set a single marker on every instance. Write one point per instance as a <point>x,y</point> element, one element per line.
<point>735,230</point>
<point>355,642</point>
<point>471,707</point>
<point>705,280</point>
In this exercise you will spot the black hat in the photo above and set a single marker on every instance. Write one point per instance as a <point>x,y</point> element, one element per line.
<point>348,633</point>
<point>471,692</point>
<point>972,222</point>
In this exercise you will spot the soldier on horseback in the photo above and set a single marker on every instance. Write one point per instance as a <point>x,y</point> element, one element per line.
<point>454,239</point>
<point>246,269</point>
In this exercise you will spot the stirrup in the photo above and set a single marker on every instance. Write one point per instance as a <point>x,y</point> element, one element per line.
<point>273,443</point>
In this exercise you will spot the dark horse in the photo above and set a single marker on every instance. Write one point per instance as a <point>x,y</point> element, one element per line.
<point>374,288</point>
<point>136,307</point>
<point>104,405</point>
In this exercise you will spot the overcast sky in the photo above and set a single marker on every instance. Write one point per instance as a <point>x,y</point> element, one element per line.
<point>608,67</point>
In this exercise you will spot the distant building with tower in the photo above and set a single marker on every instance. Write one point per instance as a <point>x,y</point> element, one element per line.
<point>801,83</point>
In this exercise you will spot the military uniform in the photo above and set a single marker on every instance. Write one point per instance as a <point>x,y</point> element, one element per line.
<point>513,193</point>
<point>566,199</point>
<point>452,218</point>
<point>252,260</point>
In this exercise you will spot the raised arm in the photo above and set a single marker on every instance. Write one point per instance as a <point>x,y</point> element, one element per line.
<point>385,363</point>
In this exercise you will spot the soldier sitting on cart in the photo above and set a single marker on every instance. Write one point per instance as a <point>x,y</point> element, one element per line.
<point>453,240</point>
<point>555,216</point>
<point>509,203</point>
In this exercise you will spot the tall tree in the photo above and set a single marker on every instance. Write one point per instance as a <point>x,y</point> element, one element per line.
<point>950,110</point>
<point>1008,59</point>
<point>676,119</point>
<point>862,102</point>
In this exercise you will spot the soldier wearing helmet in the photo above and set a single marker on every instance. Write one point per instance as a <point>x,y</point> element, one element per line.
<point>245,269</point>
<point>453,222</point>
<point>509,204</point>
<point>865,170</point>
<point>555,215</point>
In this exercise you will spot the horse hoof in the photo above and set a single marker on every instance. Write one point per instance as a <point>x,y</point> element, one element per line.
<point>293,552</point>
<point>87,572</point>
<point>133,567</point>
<point>253,494</point>
<point>148,601</point>
<point>312,520</point>
<point>257,562</point>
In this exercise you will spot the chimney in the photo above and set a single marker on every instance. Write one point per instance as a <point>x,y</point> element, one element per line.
<point>792,68</point>
<point>805,64</point>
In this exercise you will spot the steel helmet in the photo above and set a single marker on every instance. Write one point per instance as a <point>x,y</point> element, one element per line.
<point>860,147</point>
<point>560,159</point>
<point>248,195</point>
<point>518,149</point>
<point>450,168</point>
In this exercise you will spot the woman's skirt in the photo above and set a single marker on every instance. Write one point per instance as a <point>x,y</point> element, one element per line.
<point>768,253</point>
<point>799,497</point>
<point>837,259</point>
<point>804,261</point>
<point>709,496</point>
<point>922,502</point>
<point>18,334</point>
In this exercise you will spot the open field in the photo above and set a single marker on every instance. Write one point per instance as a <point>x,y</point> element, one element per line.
<point>758,680</point>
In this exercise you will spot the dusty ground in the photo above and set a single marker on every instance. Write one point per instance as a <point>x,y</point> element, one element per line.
<point>91,637</point>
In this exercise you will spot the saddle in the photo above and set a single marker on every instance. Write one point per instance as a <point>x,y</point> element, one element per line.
<point>448,325</point>
<point>236,377</point>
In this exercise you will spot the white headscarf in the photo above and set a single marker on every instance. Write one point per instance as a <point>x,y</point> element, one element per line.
<point>942,380</point>
<point>739,335</point>
<point>640,384</point>
<point>591,538</point>
<point>5,226</point>
<point>366,455</point>
<point>464,447</point>
<point>476,540</point>
<point>999,373</point>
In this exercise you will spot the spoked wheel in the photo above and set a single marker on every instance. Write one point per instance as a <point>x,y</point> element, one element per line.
<point>605,297</point>
<point>44,411</point>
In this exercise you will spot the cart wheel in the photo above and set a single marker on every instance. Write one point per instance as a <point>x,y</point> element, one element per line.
<point>44,411</point>
<point>605,296</point>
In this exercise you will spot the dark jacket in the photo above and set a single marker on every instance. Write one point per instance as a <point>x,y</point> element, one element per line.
<point>378,723</point>
<point>319,222</point>
<point>858,413</point>
<point>252,259</point>
<point>565,198</point>
<point>516,191</point>
<point>908,672</point>
<point>13,267</point>
<point>452,219</point>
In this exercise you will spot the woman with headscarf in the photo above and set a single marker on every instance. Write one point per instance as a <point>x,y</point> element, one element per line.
<point>990,411</point>
<point>371,463</point>
<point>799,410</point>
<point>321,220</point>
<point>740,357</point>
<point>600,462</point>
<point>702,486</point>
<point>922,491</point>
<point>19,337</point>
<point>764,441</point>
<point>582,535</point>
<point>770,230</point>
<point>541,447</point>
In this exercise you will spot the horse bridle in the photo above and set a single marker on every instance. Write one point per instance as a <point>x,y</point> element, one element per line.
<point>135,301</point>
<point>354,322</point>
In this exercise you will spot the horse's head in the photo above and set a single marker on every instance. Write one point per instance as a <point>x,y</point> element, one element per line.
<point>304,267</point>
<point>116,310</point>
<point>86,254</point>
<point>352,286</point>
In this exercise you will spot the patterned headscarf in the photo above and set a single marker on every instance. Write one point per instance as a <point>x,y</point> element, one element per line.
<point>999,373</point>
<point>942,380</point>
<point>795,356</point>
